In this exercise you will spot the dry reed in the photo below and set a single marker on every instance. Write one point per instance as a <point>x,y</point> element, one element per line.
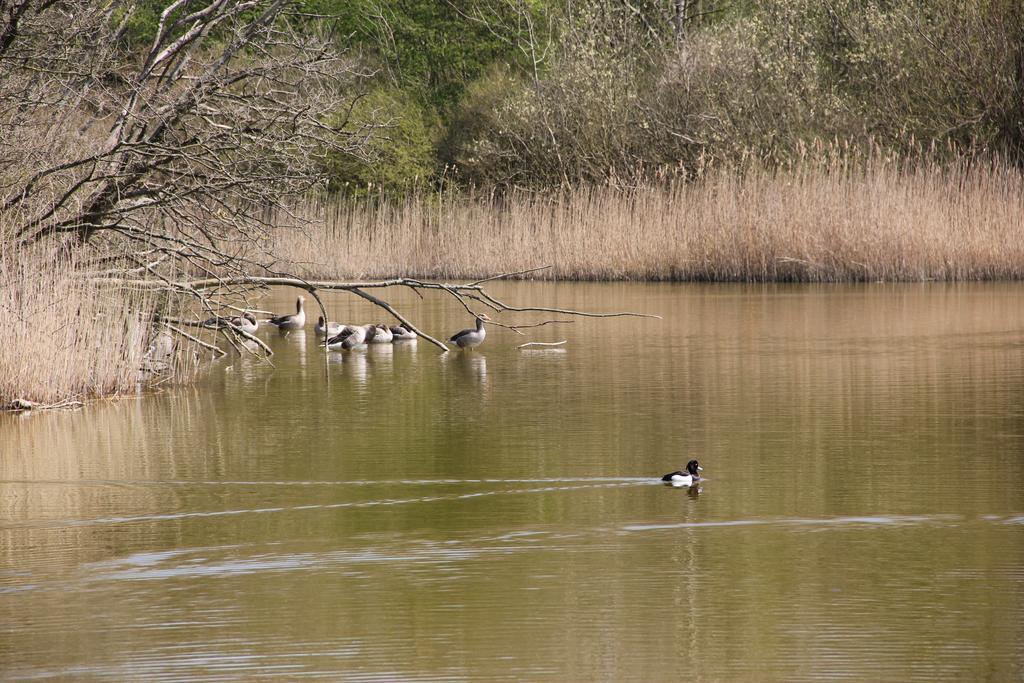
<point>817,222</point>
<point>67,337</point>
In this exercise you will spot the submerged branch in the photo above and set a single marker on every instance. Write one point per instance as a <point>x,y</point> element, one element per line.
<point>558,343</point>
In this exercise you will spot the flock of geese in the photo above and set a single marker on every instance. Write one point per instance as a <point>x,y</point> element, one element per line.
<point>345,337</point>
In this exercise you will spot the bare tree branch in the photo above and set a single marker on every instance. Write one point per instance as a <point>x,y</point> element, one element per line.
<point>459,291</point>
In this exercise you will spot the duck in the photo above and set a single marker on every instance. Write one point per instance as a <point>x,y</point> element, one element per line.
<point>468,339</point>
<point>349,338</point>
<point>403,333</point>
<point>328,329</point>
<point>381,335</point>
<point>686,478</point>
<point>295,321</point>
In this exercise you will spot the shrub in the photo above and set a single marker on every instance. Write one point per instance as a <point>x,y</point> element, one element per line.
<point>767,80</point>
<point>400,150</point>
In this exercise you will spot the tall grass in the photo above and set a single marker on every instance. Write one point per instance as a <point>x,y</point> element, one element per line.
<point>65,336</point>
<point>818,221</point>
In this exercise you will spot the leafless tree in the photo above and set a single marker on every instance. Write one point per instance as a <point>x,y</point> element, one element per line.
<point>178,150</point>
<point>168,162</point>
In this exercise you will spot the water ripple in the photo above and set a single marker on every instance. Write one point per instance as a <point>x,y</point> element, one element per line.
<point>352,482</point>
<point>127,519</point>
<point>870,521</point>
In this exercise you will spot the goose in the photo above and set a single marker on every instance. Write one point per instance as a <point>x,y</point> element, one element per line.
<point>217,322</point>
<point>246,323</point>
<point>402,333</point>
<point>328,330</point>
<point>295,321</point>
<point>348,338</point>
<point>684,478</point>
<point>467,339</point>
<point>381,335</point>
<point>334,341</point>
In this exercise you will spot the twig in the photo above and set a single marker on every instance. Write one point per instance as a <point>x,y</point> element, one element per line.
<point>228,325</point>
<point>183,333</point>
<point>253,338</point>
<point>546,322</point>
<point>502,276</point>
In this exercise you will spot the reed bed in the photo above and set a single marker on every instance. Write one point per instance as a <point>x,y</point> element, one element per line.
<point>816,222</point>
<point>68,338</point>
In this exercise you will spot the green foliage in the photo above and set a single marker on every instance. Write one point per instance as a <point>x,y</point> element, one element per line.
<point>469,145</point>
<point>400,154</point>
<point>430,48</point>
<point>589,117</point>
<point>765,79</point>
<point>542,92</point>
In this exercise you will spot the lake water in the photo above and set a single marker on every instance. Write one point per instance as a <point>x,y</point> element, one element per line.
<point>398,514</point>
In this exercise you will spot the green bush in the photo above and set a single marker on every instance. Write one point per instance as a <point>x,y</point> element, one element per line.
<point>587,117</point>
<point>401,150</point>
<point>766,80</point>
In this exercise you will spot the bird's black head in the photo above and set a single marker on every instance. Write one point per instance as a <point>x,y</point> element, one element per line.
<point>693,467</point>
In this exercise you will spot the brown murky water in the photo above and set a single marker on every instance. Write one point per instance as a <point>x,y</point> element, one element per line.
<point>395,514</point>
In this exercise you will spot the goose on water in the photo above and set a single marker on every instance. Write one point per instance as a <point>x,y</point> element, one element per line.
<point>686,478</point>
<point>402,333</point>
<point>295,321</point>
<point>328,330</point>
<point>349,338</point>
<point>381,335</point>
<point>467,339</point>
<point>246,323</point>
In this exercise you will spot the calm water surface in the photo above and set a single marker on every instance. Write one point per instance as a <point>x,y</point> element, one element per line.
<point>396,514</point>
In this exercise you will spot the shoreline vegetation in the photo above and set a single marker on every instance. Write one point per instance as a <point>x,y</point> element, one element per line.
<point>826,221</point>
<point>68,338</point>
<point>670,140</point>
<point>816,221</point>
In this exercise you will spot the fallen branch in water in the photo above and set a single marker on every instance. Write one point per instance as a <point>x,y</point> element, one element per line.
<point>463,293</point>
<point>387,307</point>
<point>228,325</point>
<point>523,346</point>
<point>22,405</point>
